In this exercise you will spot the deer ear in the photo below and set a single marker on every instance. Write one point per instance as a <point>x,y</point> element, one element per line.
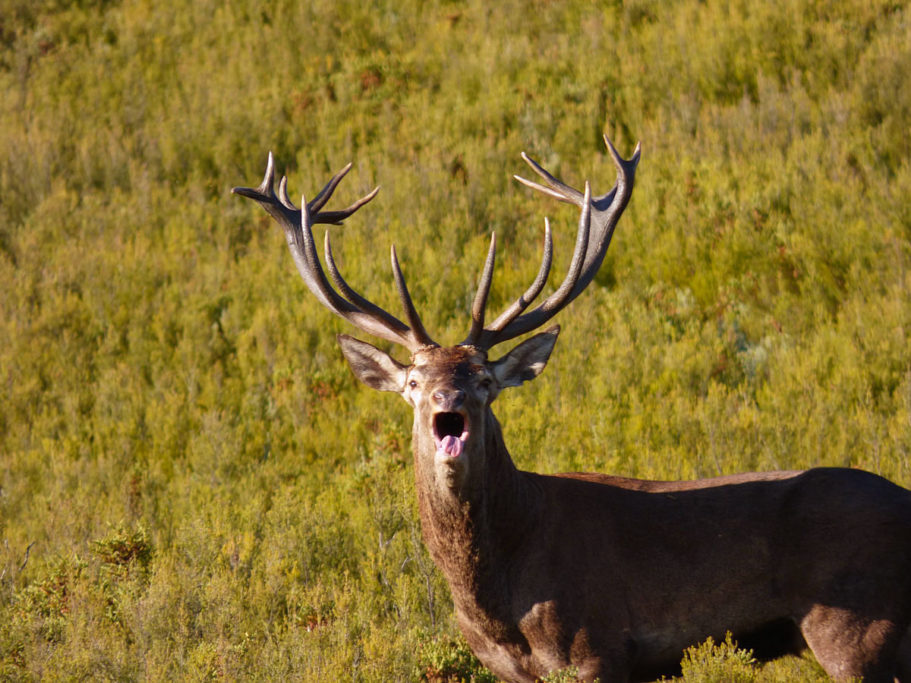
<point>373,367</point>
<point>527,360</point>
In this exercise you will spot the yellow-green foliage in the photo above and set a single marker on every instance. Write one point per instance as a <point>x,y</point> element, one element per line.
<point>192,485</point>
<point>711,663</point>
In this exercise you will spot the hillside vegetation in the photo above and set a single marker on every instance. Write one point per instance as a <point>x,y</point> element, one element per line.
<point>192,483</point>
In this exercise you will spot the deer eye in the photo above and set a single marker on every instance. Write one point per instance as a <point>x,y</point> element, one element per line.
<point>413,384</point>
<point>485,382</point>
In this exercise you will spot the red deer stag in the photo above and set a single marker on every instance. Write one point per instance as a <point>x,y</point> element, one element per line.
<point>611,575</point>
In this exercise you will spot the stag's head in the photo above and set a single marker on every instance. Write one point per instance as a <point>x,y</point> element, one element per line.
<point>451,387</point>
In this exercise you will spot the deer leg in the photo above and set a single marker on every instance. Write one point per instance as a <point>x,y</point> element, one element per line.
<point>904,658</point>
<point>849,645</point>
<point>613,663</point>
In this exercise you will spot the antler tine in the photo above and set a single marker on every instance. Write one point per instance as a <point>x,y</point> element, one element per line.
<point>323,195</point>
<point>483,337</point>
<point>532,292</point>
<point>418,333</point>
<point>371,311</point>
<point>297,224</point>
<point>549,307</point>
<point>479,305</point>
<point>336,217</point>
<point>283,194</point>
<point>558,190</point>
<point>597,221</point>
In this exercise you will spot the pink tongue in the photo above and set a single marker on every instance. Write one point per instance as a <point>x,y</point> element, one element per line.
<point>451,445</point>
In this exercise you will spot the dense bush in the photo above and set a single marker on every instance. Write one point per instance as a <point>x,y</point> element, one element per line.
<point>193,485</point>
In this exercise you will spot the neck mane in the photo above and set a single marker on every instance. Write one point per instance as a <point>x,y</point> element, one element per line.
<point>472,534</point>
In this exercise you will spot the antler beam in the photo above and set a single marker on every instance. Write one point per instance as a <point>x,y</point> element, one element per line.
<point>346,302</point>
<point>596,226</point>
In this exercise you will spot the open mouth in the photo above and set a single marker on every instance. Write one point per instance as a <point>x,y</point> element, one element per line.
<point>450,432</point>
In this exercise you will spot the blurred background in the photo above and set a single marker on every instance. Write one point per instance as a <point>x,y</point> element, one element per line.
<point>192,483</point>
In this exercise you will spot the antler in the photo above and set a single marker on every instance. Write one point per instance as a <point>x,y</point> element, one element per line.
<point>346,303</point>
<point>596,226</point>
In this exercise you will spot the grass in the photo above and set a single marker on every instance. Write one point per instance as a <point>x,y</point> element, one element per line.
<point>192,483</point>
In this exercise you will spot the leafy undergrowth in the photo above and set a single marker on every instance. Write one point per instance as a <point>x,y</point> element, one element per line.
<point>725,662</point>
<point>449,661</point>
<point>192,485</point>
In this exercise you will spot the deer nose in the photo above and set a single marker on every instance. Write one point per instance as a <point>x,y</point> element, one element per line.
<point>448,399</point>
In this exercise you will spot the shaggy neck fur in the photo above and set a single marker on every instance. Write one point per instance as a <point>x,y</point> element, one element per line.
<point>472,531</point>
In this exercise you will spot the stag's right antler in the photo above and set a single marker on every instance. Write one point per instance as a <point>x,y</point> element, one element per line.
<point>298,223</point>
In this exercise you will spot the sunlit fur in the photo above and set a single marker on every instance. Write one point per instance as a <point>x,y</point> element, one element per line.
<point>618,576</point>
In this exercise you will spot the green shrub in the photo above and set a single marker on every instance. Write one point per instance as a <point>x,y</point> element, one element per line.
<point>713,663</point>
<point>449,661</point>
<point>204,487</point>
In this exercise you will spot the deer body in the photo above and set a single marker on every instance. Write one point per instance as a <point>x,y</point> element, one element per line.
<point>649,572</point>
<point>614,576</point>
<point>618,576</point>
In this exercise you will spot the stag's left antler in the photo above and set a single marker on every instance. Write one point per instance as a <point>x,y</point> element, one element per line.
<point>596,226</point>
